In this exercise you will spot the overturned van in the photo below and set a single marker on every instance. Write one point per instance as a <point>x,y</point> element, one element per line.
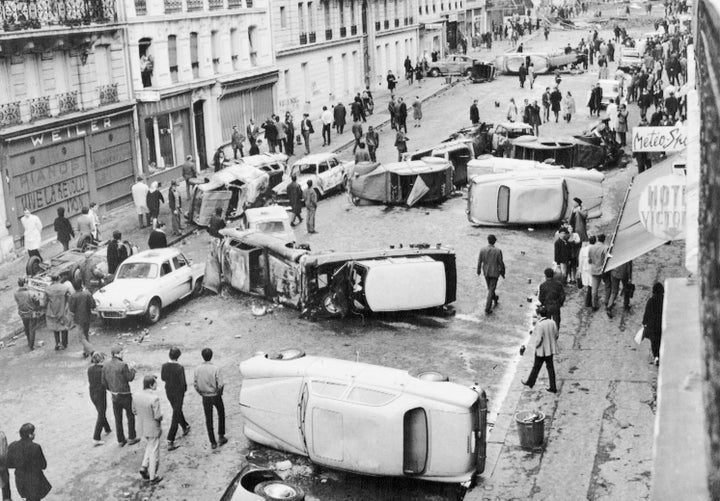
<point>417,277</point>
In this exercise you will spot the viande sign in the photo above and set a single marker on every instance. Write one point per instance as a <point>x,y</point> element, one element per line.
<point>662,207</point>
<point>659,139</point>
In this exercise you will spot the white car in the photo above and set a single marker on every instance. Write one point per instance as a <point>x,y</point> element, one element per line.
<point>272,220</point>
<point>630,59</point>
<point>506,131</point>
<point>326,170</point>
<point>611,91</point>
<point>365,418</point>
<point>534,196</point>
<point>147,282</point>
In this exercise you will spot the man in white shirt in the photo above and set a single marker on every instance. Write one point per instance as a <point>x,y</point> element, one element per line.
<point>32,233</point>
<point>327,120</point>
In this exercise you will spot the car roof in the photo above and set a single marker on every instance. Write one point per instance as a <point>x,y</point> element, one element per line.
<point>515,125</point>
<point>315,158</point>
<point>264,158</point>
<point>153,255</point>
<point>271,212</point>
<point>425,165</point>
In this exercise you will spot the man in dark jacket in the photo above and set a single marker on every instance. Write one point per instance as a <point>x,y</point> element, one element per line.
<point>551,295</point>
<point>216,223</point>
<point>157,238</point>
<point>340,117</point>
<point>63,228</point>
<point>29,462</point>
<point>357,131</point>
<point>294,192</point>
<point>671,107</point>
<point>29,310</point>
<point>522,75</point>
<point>372,140</point>
<point>81,305</point>
<point>491,264</point>
<point>401,115</point>
<point>115,255</point>
<point>555,100</point>
<point>563,253</point>
<point>116,377</point>
<point>175,205</point>
<point>474,113</point>
<point>237,142</point>
<point>153,199</point>
<point>271,133</point>
<point>175,387</point>
<point>188,172</point>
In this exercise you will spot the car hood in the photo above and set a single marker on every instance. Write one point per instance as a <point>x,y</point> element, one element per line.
<point>281,187</point>
<point>113,294</point>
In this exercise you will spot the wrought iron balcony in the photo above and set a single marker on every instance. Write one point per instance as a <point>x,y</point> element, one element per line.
<point>67,102</point>
<point>17,15</point>
<point>234,4</point>
<point>353,29</point>
<point>140,7</point>
<point>108,93</point>
<point>10,114</point>
<point>194,5</point>
<point>328,34</point>
<point>343,31</point>
<point>173,6</point>
<point>303,38</point>
<point>216,4</point>
<point>39,108</point>
<point>312,37</point>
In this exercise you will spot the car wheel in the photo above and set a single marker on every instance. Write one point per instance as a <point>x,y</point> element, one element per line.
<point>434,72</point>
<point>468,72</point>
<point>277,490</point>
<point>329,304</point>
<point>154,310</point>
<point>432,376</point>
<point>289,354</point>
<point>198,288</point>
<point>33,267</point>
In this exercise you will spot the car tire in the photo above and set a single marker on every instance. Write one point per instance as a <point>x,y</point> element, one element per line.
<point>468,72</point>
<point>329,306</point>
<point>198,288</point>
<point>430,375</point>
<point>289,354</point>
<point>154,311</point>
<point>434,72</point>
<point>277,490</point>
<point>33,267</point>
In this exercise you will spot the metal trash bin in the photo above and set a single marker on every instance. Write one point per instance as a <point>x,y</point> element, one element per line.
<point>531,429</point>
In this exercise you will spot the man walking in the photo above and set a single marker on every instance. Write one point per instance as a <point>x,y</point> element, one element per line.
<point>63,228</point>
<point>29,310</point>
<point>340,117</point>
<point>546,104</point>
<point>522,75</point>
<point>326,117</point>
<point>311,198</point>
<point>295,194</point>
<point>372,140</point>
<point>544,344</point>
<point>188,172</point>
<point>154,200</point>
<point>551,295</point>
<point>357,132</point>
<point>175,387</point>
<point>209,384</point>
<point>306,129</point>
<point>175,204</point>
<point>81,306</point>
<point>596,257</point>
<point>491,264</point>
<point>139,195</point>
<point>401,115</point>
<point>32,233</point>
<point>253,131</point>
<point>116,377</point>
<point>146,406</point>
<point>57,312</point>
<point>474,113</point>
<point>621,275</point>
<point>116,252</point>
<point>237,142</point>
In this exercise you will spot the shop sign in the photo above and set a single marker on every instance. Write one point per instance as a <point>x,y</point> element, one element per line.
<point>662,207</point>
<point>659,139</point>
<point>71,132</point>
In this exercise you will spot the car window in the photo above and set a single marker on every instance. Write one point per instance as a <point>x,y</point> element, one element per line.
<point>415,441</point>
<point>165,269</point>
<point>369,396</point>
<point>503,204</point>
<point>323,167</point>
<point>269,226</point>
<point>305,168</point>
<point>137,270</point>
<point>329,389</point>
<point>179,261</point>
<point>332,162</point>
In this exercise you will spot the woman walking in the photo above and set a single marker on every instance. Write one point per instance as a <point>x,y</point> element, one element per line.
<point>98,396</point>
<point>569,105</point>
<point>417,111</point>
<point>652,320</point>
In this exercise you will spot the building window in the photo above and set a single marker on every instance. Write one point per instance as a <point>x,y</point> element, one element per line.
<point>172,58</point>
<point>385,10</point>
<point>341,6</point>
<point>167,139</point>
<point>146,61</point>
<point>311,17</point>
<point>252,44</point>
<point>215,51</point>
<point>235,48</point>
<point>301,18</point>
<point>352,13</point>
<point>286,79</point>
<point>283,17</point>
<point>194,61</point>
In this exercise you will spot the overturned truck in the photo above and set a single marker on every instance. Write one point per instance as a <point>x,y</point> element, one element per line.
<point>417,277</point>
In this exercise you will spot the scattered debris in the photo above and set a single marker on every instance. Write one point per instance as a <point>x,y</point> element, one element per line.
<point>238,336</point>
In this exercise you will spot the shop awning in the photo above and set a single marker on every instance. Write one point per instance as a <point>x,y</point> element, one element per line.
<point>630,238</point>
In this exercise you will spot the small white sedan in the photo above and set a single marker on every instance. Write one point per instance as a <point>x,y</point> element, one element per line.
<point>147,282</point>
<point>326,171</point>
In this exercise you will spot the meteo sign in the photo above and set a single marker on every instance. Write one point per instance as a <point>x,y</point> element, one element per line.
<point>662,207</point>
<point>659,139</point>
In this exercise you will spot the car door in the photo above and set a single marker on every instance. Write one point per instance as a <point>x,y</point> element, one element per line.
<point>324,176</point>
<point>182,277</point>
<point>166,287</point>
<point>335,173</point>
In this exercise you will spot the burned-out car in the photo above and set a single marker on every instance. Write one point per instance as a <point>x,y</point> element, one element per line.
<point>429,180</point>
<point>333,283</point>
<point>254,483</point>
<point>505,132</point>
<point>458,153</point>
<point>480,135</point>
<point>325,170</point>
<point>364,418</point>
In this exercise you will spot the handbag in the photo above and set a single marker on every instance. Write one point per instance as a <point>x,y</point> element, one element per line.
<point>639,335</point>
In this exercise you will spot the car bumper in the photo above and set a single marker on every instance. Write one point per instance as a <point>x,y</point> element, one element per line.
<point>112,313</point>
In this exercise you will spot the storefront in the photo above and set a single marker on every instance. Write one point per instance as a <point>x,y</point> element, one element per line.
<point>244,99</point>
<point>69,164</point>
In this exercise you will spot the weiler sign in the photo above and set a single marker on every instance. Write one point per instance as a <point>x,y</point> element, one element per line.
<point>662,207</point>
<point>659,139</point>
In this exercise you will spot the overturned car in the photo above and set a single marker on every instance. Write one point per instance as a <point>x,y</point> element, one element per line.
<point>333,283</point>
<point>458,153</point>
<point>403,183</point>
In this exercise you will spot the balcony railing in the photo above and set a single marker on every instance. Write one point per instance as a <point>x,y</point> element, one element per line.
<point>303,38</point>
<point>140,7</point>
<point>234,4</point>
<point>328,34</point>
<point>39,108</point>
<point>387,24</point>
<point>397,23</point>
<point>343,31</point>
<point>194,5</point>
<point>353,29</point>
<point>173,6</point>
<point>108,93</point>
<point>216,4</point>
<point>16,15</point>
<point>67,102</point>
<point>10,114</point>
<point>312,37</point>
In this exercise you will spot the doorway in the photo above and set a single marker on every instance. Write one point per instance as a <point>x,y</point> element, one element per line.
<point>200,134</point>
